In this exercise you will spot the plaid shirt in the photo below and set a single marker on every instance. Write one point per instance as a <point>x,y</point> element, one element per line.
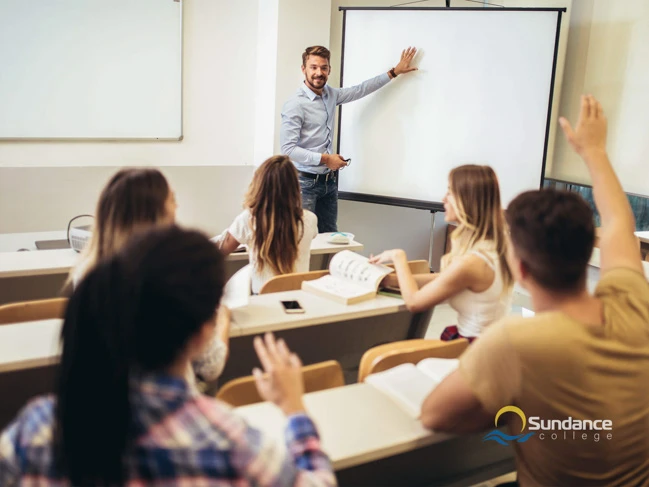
<point>181,438</point>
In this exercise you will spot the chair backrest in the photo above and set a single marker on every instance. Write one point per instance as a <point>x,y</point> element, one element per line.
<point>43,309</point>
<point>290,282</point>
<point>317,377</point>
<point>388,355</point>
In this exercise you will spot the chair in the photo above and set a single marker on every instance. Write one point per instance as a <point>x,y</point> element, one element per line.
<point>317,377</point>
<point>43,309</point>
<point>290,282</point>
<point>388,355</point>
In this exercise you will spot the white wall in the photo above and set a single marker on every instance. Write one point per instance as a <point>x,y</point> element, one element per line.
<point>220,55</point>
<point>608,56</point>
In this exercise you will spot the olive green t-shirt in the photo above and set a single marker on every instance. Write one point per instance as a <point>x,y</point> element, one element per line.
<point>553,367</point>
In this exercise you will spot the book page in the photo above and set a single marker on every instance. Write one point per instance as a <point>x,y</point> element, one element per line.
<point>355,268</point>
<point>406,385</point>
<point>438,368</point>
<point>338,286</point>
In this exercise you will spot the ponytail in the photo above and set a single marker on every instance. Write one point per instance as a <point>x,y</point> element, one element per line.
<point>93,411</point>
<point>133,312</point>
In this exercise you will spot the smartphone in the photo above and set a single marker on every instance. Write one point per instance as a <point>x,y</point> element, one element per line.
<point>292,307</point>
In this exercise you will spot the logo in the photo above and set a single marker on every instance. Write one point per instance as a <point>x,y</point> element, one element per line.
<point>552,429</point>
<point>503,439</point>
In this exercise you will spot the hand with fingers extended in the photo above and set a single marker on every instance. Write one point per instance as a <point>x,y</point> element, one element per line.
<point>407,55</point>
<point>589,135</point>
<point>281,381</point>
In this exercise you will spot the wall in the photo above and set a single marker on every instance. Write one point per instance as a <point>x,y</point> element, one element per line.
<point>218,110</point>
<point>607,56</point>
<point>44,184</point>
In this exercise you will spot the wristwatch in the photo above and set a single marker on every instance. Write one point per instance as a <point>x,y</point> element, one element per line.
<point>393,73</point>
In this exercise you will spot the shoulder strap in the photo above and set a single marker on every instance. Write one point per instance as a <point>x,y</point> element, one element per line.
<point>484,257</point>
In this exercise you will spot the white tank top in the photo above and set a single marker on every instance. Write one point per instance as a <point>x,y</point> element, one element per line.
<point>475,311</point>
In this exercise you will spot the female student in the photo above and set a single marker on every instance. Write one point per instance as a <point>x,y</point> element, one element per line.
<point>123,413</point>
<point>475,277</point>
<point>135,200</point>
<point>277,231</point>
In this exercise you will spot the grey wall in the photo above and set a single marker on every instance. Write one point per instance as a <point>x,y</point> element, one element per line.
<point>36,199</point>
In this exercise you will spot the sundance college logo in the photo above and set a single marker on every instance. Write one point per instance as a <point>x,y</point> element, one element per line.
<point>552,429</point>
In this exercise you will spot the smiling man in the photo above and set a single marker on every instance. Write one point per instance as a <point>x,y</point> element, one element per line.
<point>308,125</point>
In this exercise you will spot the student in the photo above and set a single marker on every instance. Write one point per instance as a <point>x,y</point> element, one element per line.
<point>277,231</point>
<point>123,413</point>
<point>475,277</point>
<point>581,356</point>
<point>135,200</point>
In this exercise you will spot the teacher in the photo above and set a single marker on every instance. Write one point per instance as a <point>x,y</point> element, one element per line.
<point>307,129</point>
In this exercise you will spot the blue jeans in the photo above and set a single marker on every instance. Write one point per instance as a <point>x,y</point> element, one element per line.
<point>321,197</point>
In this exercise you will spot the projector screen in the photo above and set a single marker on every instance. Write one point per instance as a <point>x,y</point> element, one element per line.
<point>90,69</point>
<point>482,95</point>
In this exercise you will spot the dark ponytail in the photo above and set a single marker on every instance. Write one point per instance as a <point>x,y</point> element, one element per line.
<point>134,312</point>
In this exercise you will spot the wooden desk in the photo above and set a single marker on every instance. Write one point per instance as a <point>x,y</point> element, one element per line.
<point>41,274</point>
<point>371,441</point>
<point>327,330</point>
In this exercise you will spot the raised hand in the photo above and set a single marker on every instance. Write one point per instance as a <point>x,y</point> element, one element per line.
<point>407,55</point>
<point>281,382</point>
<point>589,135</point>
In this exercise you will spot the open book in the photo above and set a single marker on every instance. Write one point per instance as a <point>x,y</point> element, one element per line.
<point>408,385</point>
<point>351,279</point>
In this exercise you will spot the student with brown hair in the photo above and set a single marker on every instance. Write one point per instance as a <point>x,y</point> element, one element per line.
<point>475,277</point>
<point>122,412</point>
<point>581,364</point>
<point>277,231</point>
<point>136,200</point>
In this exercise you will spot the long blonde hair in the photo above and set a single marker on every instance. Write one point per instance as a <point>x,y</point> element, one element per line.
<point>481,220</point>
<point>275,204</point>
<point>133,200</point>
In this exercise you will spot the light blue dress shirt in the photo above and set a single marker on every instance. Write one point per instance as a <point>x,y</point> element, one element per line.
<point>308,121</point>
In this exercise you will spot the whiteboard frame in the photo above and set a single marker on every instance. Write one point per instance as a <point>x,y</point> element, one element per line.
<point>127,139</point>
<point>434,206</point>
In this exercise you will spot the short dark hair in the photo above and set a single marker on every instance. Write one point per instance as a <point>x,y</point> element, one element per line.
<point>553,233</point>
<point>319,51</point>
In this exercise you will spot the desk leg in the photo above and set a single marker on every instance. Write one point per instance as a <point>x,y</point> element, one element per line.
<point>438,228</point>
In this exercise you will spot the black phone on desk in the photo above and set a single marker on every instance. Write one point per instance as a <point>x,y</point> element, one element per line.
<point>292,307</point>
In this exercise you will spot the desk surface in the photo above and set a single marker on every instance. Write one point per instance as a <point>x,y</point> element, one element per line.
<point>265,312</point>
<point>44,262</point>
<point>643,236</point>
<point>357,424</point>
<point>35,343</point>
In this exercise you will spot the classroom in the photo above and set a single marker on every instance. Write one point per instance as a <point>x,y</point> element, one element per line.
<point>324,242</point>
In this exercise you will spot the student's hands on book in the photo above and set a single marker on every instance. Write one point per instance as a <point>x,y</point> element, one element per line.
<point>588,138</point>
<point>281,381</point>
<point>387,256</point>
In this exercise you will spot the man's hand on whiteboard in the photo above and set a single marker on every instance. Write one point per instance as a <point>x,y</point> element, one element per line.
<point>407,55</point>
<point>333,161</point>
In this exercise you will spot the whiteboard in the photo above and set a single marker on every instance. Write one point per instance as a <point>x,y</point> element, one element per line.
<point>482,95</point>
<point>90,69</point>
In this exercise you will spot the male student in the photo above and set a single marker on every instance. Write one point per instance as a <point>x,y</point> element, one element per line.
<point>306,134</point>
<point>582,360</point>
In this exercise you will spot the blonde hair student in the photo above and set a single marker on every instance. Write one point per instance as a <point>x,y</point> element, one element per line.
<point>274,226</point>
<point>475,277</point>
<point>136,200</point>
